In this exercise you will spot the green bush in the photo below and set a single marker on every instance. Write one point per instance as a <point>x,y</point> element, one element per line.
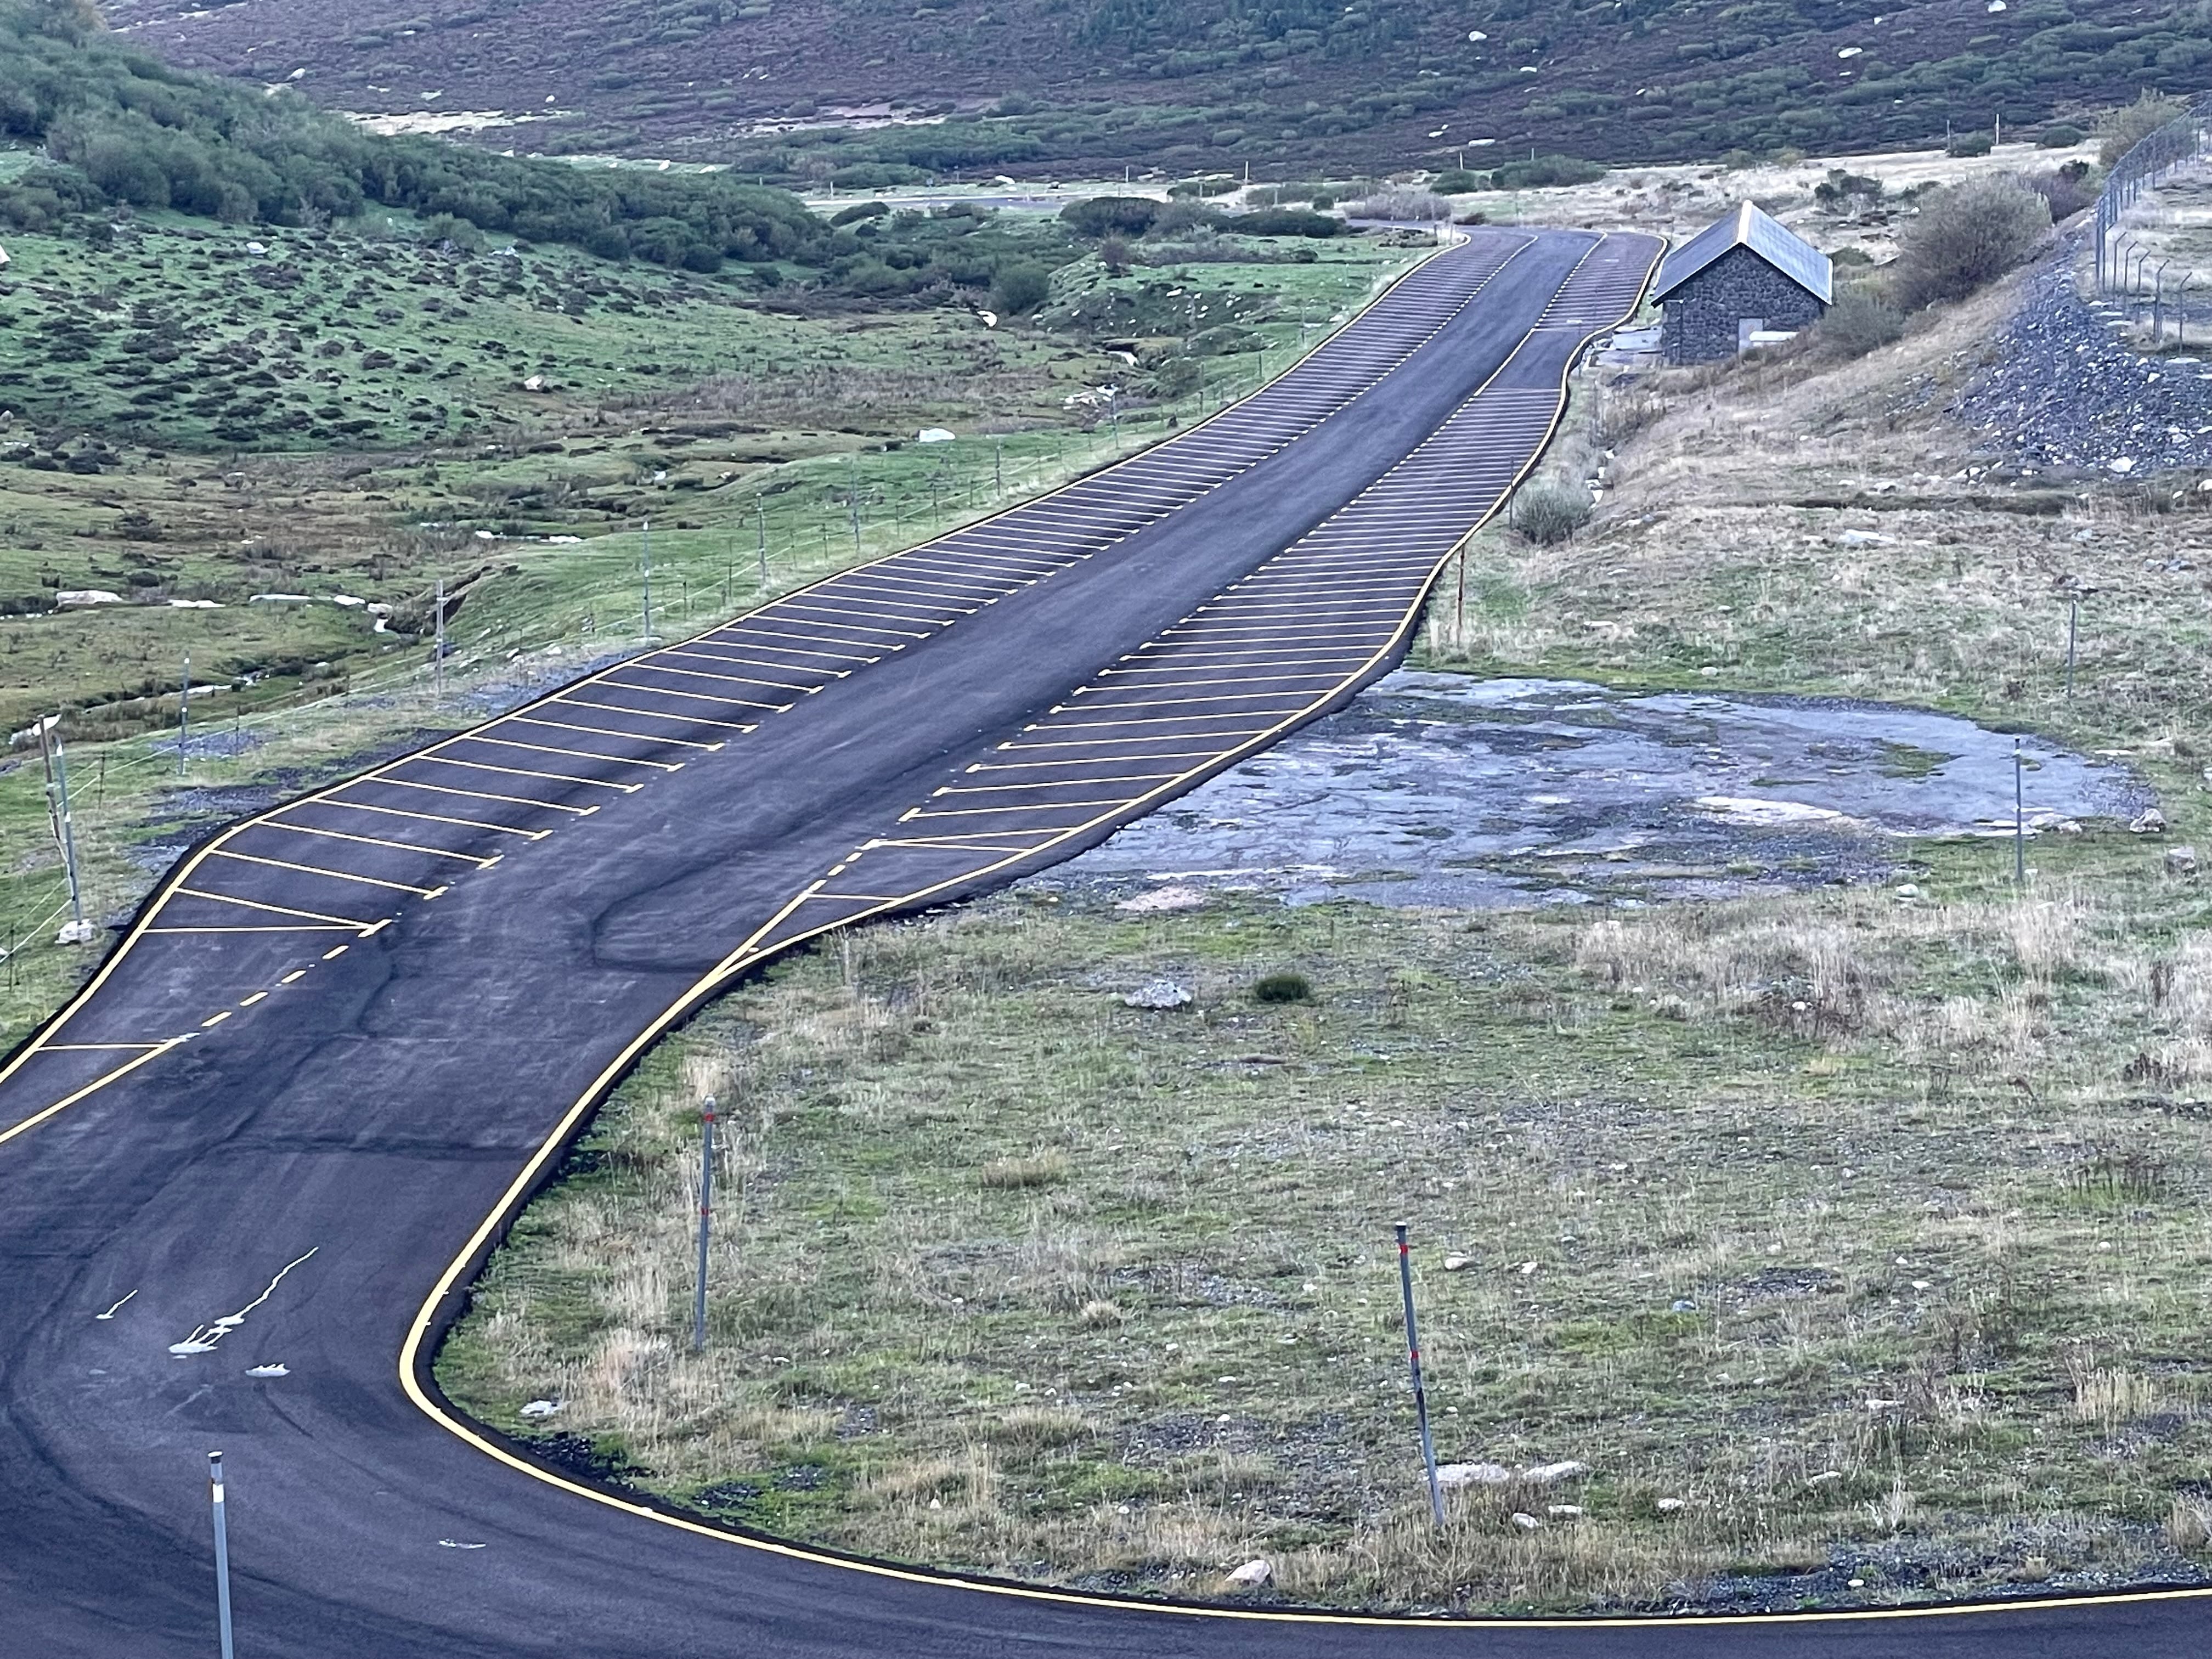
<point>1969,143</point>
<point>1283,987</point>
<point>1540,172</point>
<point>1110,216</point>
<point>2060,135</point>
<point>1549,513</point>
<point>1966,236</point>
<point>1860,321</point>
<point>857,212</point>
<point>1019,289</point>
<point>2124,128</point>
<point>1456,181</point>
<point>1283,221</point>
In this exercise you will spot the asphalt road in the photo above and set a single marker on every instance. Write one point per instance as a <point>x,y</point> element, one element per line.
<point>354,1028</point>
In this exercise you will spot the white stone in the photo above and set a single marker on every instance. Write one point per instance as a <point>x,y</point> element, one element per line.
<point>2181,861</point>
<point>541,1408</point>
<point>76,932</point>
<point>1163,898</point>
<point>1458,1263</point>
<point>932,434</point>
<point>2152,822</point>
<point>1251,1575</point>
<point>1671,1506</point>
<point>1450,1475</point>
<point>1550,1474</point>
<point>1564,1511</point>
<point>1159,994</point>
<point>70,598</point>
<point>1526,1522</point>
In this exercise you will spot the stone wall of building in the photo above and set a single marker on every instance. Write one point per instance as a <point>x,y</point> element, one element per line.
<point>1703,314</point>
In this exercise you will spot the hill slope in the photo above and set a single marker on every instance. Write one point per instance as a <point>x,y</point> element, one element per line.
<point>793,86</point>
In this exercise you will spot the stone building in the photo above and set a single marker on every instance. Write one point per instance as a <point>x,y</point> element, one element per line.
<point>1746,276</point>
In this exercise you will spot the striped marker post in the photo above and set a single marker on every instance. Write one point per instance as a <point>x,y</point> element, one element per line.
<point>1421,1394</point>
<point>706,1223</point>
<point>222,1552</point>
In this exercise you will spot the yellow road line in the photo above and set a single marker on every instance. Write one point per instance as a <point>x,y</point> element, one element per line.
<point>91,1088</point>
<point>650,667</point>
<point>947,843</point>
<point>913,812</point>
<point>816,639</point>
<point>1093,743</point>
<point>576,754</point>
<point>748,662</point>
<point>335,875</point>
<point>1168,702</point>
<point>299,927</point>
<point>482,863</point>
<point>93,1047</point>
<point>1103,760</point>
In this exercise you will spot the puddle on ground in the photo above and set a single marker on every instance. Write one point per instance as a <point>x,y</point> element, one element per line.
<point>1434,789</point>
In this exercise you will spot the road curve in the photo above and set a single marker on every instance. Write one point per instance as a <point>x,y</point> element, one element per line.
<point>348,1036</point>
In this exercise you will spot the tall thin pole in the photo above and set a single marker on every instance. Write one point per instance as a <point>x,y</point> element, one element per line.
<point>998,464</point>
<point>1421,1394</point>
<point>438,662</point>
<point>2073,624</point>
<point>852,497</point>
<point>222,1552</point>
<point>646,575</point>
<point>760,518</point>
<point>2019,816</point>
<point>57,810</point>
<point>706,1223</point>
<point>184,713</point>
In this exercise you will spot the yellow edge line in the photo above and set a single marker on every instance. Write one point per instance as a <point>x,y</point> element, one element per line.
<point>91,1088</point>
<point>412,1357</point>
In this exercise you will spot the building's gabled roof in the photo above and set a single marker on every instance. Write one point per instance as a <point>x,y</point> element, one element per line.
<point>1747,226</point>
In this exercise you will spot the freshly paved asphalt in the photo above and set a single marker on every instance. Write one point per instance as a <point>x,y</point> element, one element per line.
<point>375,1105</point>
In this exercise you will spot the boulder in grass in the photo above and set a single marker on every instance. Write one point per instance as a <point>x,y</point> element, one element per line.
<point>1451,1476</point>
<point>1251,1575</point>
<point>1159,994</point>
<point>1550,1474</point>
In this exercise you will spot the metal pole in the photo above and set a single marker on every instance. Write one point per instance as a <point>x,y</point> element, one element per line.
<point>2158,303</point>
<point>2018,817</point>
<point>184,713</point>
<point>999,465</point>
<point>760,517</point>
<point>222,1552</point>
<point>852,498</point>
<point>1420,1395</point>
<point>647,526</point>
<point>2073,623</point>
<point>438,662</point>
<point>706,1223</point>
<point>58,808</point>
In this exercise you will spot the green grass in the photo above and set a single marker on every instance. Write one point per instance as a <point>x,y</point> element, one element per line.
<point>802,429</point>
<point>1853,1235</point>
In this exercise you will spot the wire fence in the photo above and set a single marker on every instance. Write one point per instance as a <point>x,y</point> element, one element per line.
<point>2125,258</point>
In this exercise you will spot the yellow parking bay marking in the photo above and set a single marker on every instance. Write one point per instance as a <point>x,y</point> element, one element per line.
<point>993,812</point>
<point>819,616</point>
<point>523,772</point>
<point>296,927</point>
<point>481,794</point>
<point>350,923</point>
<point>1093,760</point>
<point>90,1048</point>
<point>610,731</point>
<point>89,1089</point>
<point>482,863</point>
<point>726,679</point>
<point>655,714</point>
<point>698,697</point>
<point>1217,679</point>
<point>946,844</point>
<point>335,875</point>
<point>1051,783</point>
<point>1093,743</point>
<point>744,662</point>
<point>578,754</point>
<point>428,817</point>
<point>812,639</point>
<point>864,613</point>
<point>1168,702</point>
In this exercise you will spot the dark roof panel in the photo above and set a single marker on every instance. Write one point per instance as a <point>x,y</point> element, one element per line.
<point>1747,226</point>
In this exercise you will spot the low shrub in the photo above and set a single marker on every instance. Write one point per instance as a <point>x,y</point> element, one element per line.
<point>1970,144</point>
<point>1283,987</point>
<point>2060,135</point>
<point>1966,236</point>
<point>1549,513</point>
<point>1860,321</point>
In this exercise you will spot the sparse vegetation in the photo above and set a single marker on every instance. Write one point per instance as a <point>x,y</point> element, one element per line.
<point>1967,236</point>
<point>1548,511</point>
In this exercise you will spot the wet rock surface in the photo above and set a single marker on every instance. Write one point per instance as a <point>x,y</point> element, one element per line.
<point>1436,789</point>
<point>2066,391</point>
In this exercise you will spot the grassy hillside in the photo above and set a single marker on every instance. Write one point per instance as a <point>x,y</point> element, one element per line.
<point>799,87</point>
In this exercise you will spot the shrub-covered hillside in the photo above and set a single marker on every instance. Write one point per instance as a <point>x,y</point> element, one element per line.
<point>797,88</point>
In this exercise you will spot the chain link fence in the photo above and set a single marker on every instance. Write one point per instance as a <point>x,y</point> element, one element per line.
<point>2123,260</point>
